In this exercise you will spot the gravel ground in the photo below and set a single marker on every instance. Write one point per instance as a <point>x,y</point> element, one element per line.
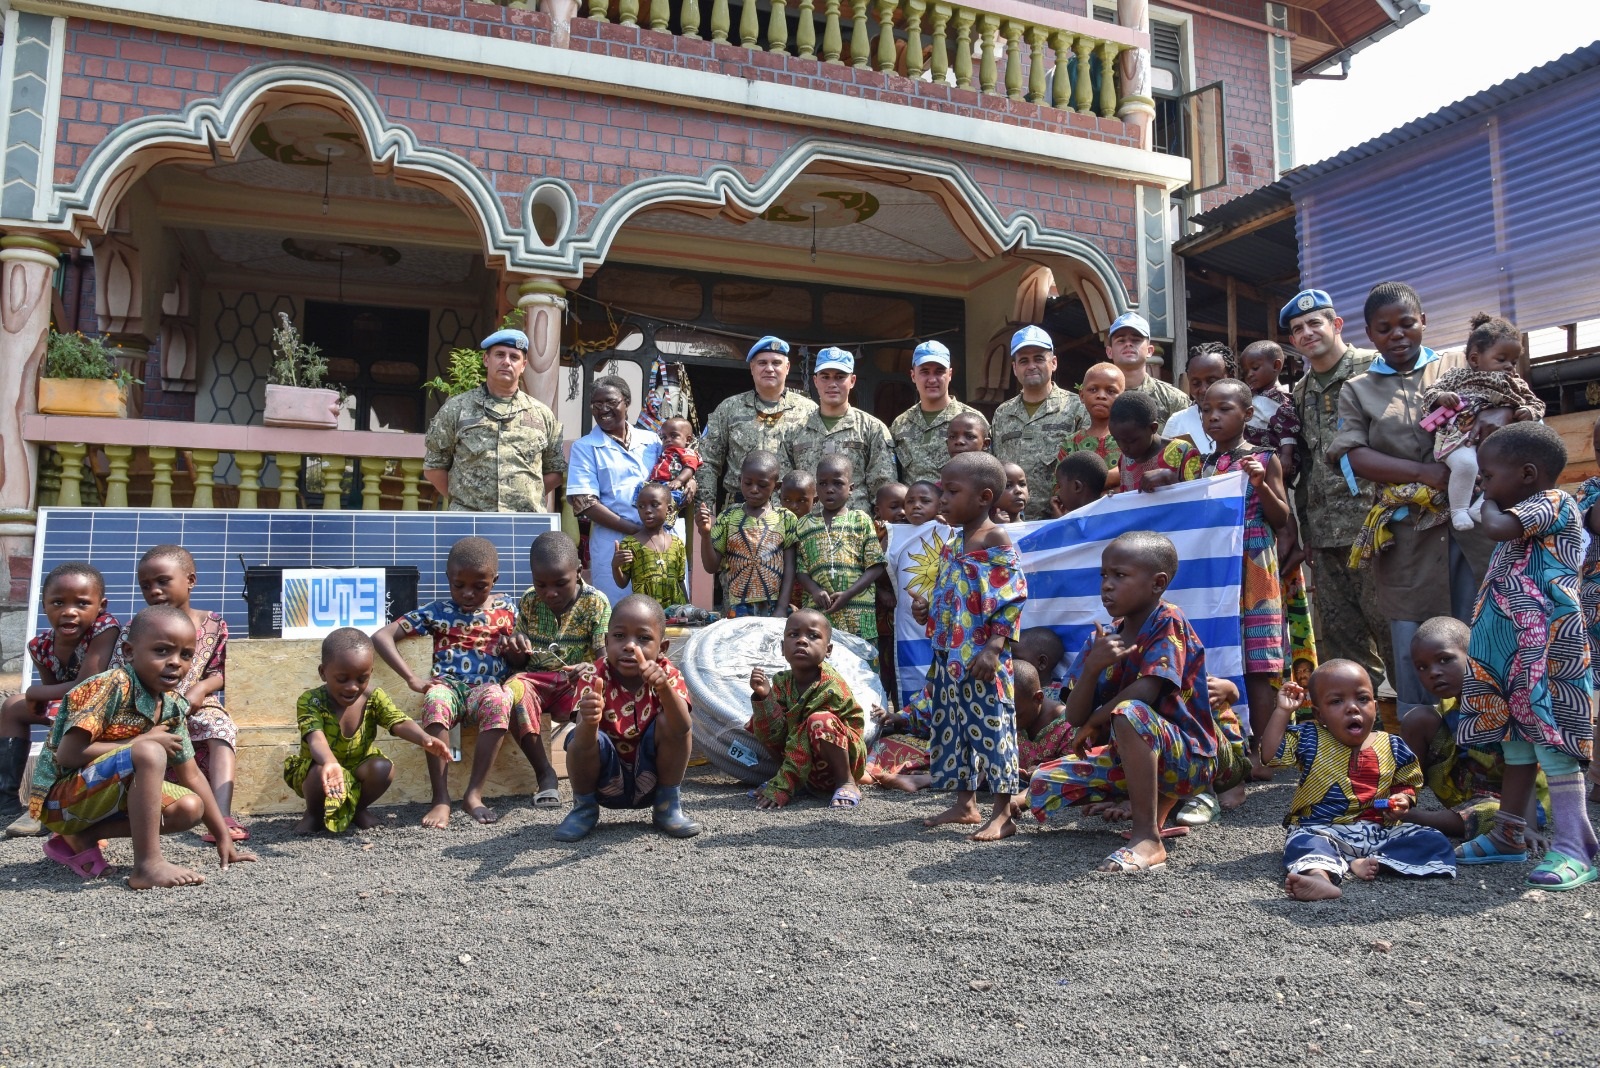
<point>802,937</point>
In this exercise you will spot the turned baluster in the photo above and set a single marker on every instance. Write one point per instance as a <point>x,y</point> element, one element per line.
<point>988,26</point>
<point>689,18</point>
<point>249,465</point>
<point>628,12</point>
<point>1037,36</point>
<point>778,27</point>
<point>1108,82</point>
<point>332,478</point>
<point>1061,84</point>
<point>886,35</point>
<point>162,459</point>
<point>939,56</point>
<point>412,470</point>
<point>719,21</point>
<point>832,40</point>
<point>288,480</point>
<point>914,10</point>
<point>860,40</point>
<point>204,462</point>
<point>71,493</point>
<point>964,19</point>
<point>1013,33</point>
<point>372,468</point>
<point>117,459</point>
<point>749,24</point>
<point>805,33</point>
<point>597,9</point>
<point>1082,89</point>
<point>661,15</point>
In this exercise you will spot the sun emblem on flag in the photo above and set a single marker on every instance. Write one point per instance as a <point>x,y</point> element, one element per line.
<point>921,568</point>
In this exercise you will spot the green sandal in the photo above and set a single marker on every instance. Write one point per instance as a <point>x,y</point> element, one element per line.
<point>1569,873</point>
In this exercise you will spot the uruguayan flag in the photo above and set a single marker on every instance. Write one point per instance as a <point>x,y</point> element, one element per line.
<point>1061,558</point>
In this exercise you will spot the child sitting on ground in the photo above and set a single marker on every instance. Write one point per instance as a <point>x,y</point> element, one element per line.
<point>166,576</point>
<point>751,544</point>
<point>80,643</point>
<point>922,502</point>
<point>1042,647</point>
<point>339,770</point>
<point>631,746</point>
<point>837,555</point>
<point>1530,687</point>
<point>971,615</point>
<point>1102,384</point>
<point>470,629</point>
<point>652,562</point>
<point>900,757</point>
<point>1149,461</point>
<point>1008,509</point>
<point>798,492</point>
<point>678,462</point>
<point>102,772</point>
<point>1209,363</point>
<point>1352,812</point>
<point>808,716</point>
<point>1080,480</point>
<point>1458,397</point>
<point>1274,422</point>
<point>1043,729</point>
<point>1145,737</point>
<point>1588,496</point>
<point>967,432</point>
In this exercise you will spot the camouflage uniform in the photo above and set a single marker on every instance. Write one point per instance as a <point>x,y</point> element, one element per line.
<point>1349,625</point>
<point>921,448</point>
<point>740,426</point>
<point>1169,398</point>
<point>496,449</point>
<point>861,437</point>
<point>1032,441</point>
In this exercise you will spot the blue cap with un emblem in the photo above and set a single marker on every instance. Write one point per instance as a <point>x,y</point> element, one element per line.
<point>515,338</point>
<point>1303,303</point>
<point>767,344</point>
<point>835,359</point>
<point>1031,337</point>
<point>930,352</point>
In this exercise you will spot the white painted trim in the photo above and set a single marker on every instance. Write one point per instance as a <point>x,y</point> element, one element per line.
<point>8,70</point>
<point>52,116</point>
<point>261,21</point>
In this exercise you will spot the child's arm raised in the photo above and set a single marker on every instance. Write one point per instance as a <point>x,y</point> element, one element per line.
<point>673,705</point>
<point>1291,695</point>
<point>710,558</point>
<point>1498,524</point>
<point>1267,478</point>
<point>622,567</point>
<point>383,641</point>
<point>95,660</point>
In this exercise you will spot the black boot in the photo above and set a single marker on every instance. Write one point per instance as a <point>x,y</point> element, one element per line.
<point>13,759</point>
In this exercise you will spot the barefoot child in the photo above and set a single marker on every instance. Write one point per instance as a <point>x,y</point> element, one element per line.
<point>1080,479</point>
<point>79,644</point>
<point>1209,363</point>
<point>166,576</point>
<point>837,556</point>
<point>1043,729</point>
<point>968,432</point>
<point>469,630</point>
<point>751,545</point>
<point>808,715</point>
<point>798,492</point>
<point>922,503</point>
<point>631,746</point>
<point>339,771</point>
<point>971,615</point>
<point>1102,384</point>
<point>652,562</point>
<point>1351,813</point>
<point>1149,461</point>
<point>1530,687</point>
<point>1008,509</point>
<point>102,772</point>
<point>1274,423</point>
<point>1140,705</point>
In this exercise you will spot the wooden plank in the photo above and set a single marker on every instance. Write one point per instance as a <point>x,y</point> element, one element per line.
<point>1577,432</point>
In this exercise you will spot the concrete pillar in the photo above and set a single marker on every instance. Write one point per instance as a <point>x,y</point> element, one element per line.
<point>544,303</point>
<point>1135,106</point>
<point>27,272</point>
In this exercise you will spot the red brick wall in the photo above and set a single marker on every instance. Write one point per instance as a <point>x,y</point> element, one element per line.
<point>1237,56</point>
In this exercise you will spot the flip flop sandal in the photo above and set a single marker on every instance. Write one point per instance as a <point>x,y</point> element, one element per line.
<point>847,796</point>
<point>236,831</point>
<point>547,799</point>
<point>89,864</point>
<point>1125,861</point>
<point>1570,874</point>
<point>1485,850</point>
<point>1198,811</point>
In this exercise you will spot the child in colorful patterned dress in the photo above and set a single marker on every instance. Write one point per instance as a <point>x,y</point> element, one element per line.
<point>1589,589</point>
<point>1149,461</point>
<point>1008,509</point>
<point>80,643</point>
<point>653,562</point>
<point>751,545</point>
<point>1274,422</point>
<point>1102,384</point>
<point>1530,687</point>
<point>338,770</point>
<point>798,492</point>
<point>1352,813</point>
<point>971,615</point>
<point>631,746</point>
<point>809,716</point>
<point>922,502</point>
<point>1138,697</point>
<point>166,576</point>
<point>102,772</point>
<point>470,630</point>
<point>1080,480</point>
<point>967,432</point>
<point>678,462</point>
<point>837,555</point>
<point>1043,729</point>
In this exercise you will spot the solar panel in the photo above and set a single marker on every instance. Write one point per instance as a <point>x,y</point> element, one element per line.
<point>113,539</point>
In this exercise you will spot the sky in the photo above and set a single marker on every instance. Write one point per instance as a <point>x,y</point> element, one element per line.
<point>1460,47</point>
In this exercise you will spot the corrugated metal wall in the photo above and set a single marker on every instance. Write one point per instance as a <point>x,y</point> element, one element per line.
<point>1500,213</point>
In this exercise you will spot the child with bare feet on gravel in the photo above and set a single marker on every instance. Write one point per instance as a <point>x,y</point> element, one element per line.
<point>1138,697</point>
<point>80,643</point>
<point>809,716</point>
<point>631,745</point>
<point>470,630</point>
<point>102,772</point>
<point>339,770</point>
<point>1352,812</point>
<point>971,615</point>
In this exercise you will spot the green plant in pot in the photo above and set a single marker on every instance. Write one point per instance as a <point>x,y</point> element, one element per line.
<point>296,396</point>
<point>80,376</point>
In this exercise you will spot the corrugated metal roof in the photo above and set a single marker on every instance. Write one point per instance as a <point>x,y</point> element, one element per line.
<point>1541,77</point>
<point>1246,207</point>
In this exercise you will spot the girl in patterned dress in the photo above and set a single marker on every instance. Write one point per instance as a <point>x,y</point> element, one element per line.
<point>971,614</point>
<point>1102,385</point>
<point>1589,587</point>
<point>653,562</point>
<point>1529,687</point>
<point>1149,461</point>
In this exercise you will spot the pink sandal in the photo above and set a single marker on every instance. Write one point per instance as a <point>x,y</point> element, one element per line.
<point>236,831</point>
<point>90,864</point>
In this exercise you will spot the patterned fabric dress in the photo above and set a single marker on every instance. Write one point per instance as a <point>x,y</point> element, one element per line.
<point>1050,743</point>
<point>978,596</point>
<point>467,672</point>
<point>835,555</point>
<point>315,711</point>
<point>907,752</point>
<point>627,777</point>
<point>752,557</point>
<point>1374,535</point>
<point>1261,621</point>
<point>1275,423</point>
<point>1478,391</point>
<point>797,722</point>
<point>1589,587</point>
<point>1177,456</point>
<point>1530,674</point>
<point>658,573</point>
<point>1102,445</point>
<point>42,650</point>
<point>209,721</point>
<point>1469,781</point>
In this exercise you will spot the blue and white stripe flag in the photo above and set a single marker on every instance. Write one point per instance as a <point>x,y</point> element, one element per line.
<point>1061,559</point>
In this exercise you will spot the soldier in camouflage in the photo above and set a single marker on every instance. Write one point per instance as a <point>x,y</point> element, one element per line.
<point>919,432</point>
<point>1029,428</point>
<point>769,417</point>
<point>1128,346</point>
<point>836,427</point>
<point>495,448</point>
<point>1349,625</point>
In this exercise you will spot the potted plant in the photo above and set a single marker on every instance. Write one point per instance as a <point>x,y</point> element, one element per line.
<point>81,377</point>
<point>295,394</point>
